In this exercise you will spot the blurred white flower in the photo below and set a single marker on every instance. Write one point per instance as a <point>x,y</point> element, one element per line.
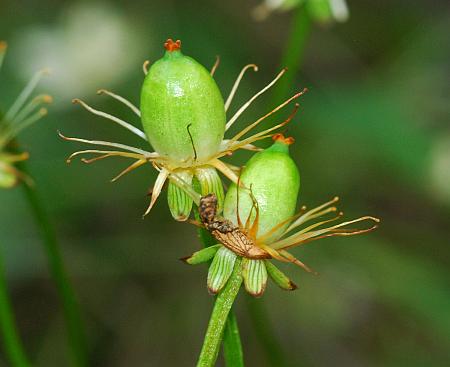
<point>91,45</point>
<point>322,11</point>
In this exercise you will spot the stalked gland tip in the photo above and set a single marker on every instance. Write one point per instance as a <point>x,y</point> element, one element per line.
<point>171,46</point>
<point>282,139</point>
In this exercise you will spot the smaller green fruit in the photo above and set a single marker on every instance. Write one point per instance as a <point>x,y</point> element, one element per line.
<point>274,181</point>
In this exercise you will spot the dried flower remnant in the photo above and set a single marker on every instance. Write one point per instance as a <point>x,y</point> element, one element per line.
<point>258,222</point>
<point>184,119</point>
<point>23,112</point>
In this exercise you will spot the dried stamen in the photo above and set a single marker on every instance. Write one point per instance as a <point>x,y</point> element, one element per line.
<point>145,66</point>
<point>250,101</point>
<point>157,188</point>
<point>130,168</point>
<point>309,214</point>
<point>303,236</point>
<point>106,154</point>
<point>274,229</point>
<point>263,134</point>
<point>236,84</point>
<point>146,154</point>
<point>223,167</point>
<point>254,124</point>
<point>121,99</point>
<point>107,116</point>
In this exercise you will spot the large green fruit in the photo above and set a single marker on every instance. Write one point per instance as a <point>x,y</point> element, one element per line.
<point>179,94</point>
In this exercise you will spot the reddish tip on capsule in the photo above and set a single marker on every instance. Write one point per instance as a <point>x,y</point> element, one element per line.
<point>280,138</point>
<point>171,46</point>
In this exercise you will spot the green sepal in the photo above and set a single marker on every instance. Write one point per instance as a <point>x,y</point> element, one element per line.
<point>255,276</point>
<point>279,277</point>
<point>180,203</point>
<point>202,256</point>
<point>220,270</point>
<point>210,183</point>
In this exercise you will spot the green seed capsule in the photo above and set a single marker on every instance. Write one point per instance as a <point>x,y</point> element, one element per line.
<point>182,110</point>
<point>274,181</point>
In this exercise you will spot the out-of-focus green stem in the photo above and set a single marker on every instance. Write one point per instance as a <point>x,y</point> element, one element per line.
<point>11,341</point>
<point>293,53</point>
<point>219,316</point>
<point>71,311</point>
<point>264,332</point>
<point>232,346</point>
<point>292,59</point>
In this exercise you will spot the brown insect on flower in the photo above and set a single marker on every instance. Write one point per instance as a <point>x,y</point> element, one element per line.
<point>232,237</point>
<point>243,239</point>
<point>258,224</point>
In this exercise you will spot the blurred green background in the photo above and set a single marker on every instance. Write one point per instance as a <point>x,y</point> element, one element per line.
<point>373,129</point>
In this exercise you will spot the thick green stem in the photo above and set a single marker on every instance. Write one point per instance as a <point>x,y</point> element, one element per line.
<point>232,346</point>
<point>11,340</point>
<point>218,320</point>
<point>71,311</point>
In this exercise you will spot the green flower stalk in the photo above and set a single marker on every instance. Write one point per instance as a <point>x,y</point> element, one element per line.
<point>259,224</point>
<point>22,113</point>
<point>12,344</point>
<point>183,116</point>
